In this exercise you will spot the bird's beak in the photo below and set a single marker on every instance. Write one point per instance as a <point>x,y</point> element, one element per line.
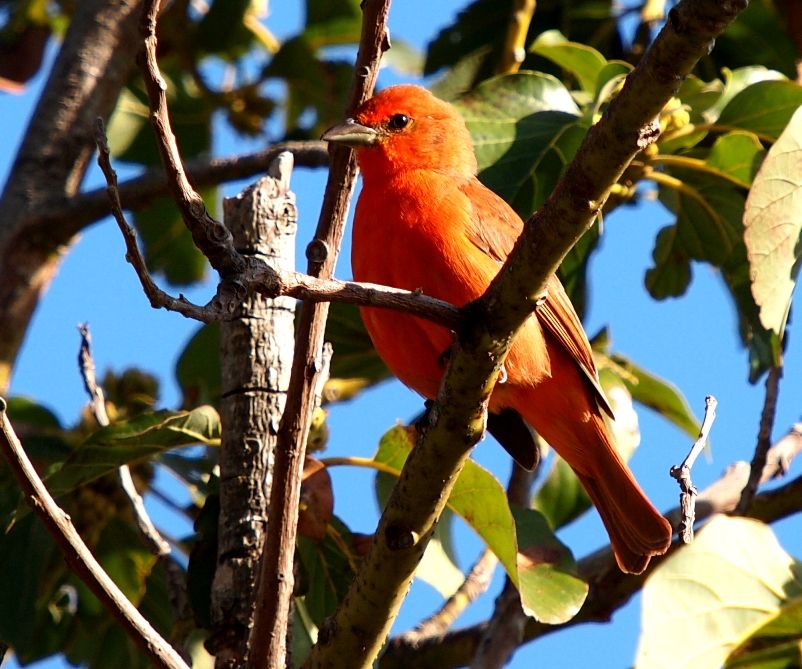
<point>351,134</point>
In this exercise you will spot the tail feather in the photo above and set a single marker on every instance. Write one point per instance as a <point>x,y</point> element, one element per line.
<point>637,530</point>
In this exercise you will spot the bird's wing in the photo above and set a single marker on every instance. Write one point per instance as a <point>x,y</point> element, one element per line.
<point>493,228</point>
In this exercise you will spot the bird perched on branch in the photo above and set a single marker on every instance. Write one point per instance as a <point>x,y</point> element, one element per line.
<point>424,221</point>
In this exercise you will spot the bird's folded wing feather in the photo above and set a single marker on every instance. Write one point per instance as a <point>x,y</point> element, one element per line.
<point>493,228</point>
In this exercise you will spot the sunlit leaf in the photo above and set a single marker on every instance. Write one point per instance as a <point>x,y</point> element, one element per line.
<point>773,227</point>
<point>480,500</point>
<point>656,393</point>
<point>551,592</point>
<point>737,155</point>
<point>139,438</point>
<point>713,594</point>
<point>763,108</point>
<point>525,129</point>
<point>582,61</point>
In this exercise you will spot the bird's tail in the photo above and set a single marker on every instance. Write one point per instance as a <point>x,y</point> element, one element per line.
<point>637,530</point>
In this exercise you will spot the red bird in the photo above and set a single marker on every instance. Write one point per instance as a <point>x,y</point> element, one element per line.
<point>424,222</point>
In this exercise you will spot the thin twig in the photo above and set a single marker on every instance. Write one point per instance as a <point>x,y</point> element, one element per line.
<point>260,277</point>
<point>682,472</point>
<point>476,583</point>
<point>210,235</point>
<point>763,438</point>
<point>86,364</point>
<point>322,252</point>
<point>79,557</point>
<point>514,51</point>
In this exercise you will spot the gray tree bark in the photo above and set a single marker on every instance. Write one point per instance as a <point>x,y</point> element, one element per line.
<point>256,348</point>
<point>92,66</point>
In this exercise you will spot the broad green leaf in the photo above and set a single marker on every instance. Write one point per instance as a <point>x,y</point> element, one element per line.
<point>551,592</point>
<point>222,29</point>
<point>198,368</point>
<point>317,89</point>
<point>167,242</point>
<point>583,61</point>
<point>333,22</point>
<point>736,81</point>
<point>656,393</point>
<point>304,633</point>
<point>609,79</point>
<point>525,129</point>
<point>328,569</point>
<point>671,273</point>
<point>561,498</point>
<point>775,645</point>
<point>773,227</point>
<point>737,155</point>
<point>139,438</point>
<point>763,108</point>
<point>355,364</point>
<point>713,594</point>
<point>479,499</point>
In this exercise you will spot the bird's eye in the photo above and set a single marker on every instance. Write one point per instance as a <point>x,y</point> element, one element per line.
<point>398,121</point>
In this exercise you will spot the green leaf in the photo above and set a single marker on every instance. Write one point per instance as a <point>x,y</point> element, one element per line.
<point>198,368</point>
<point>333,22</point>
<point>775,645</point>
<point>551,592</point>
<point>133,440</point>
<point>763,108</point>
<point>404,58</point>
<point>737,155</point>
<point>167,242</point>
<point>525,129</point>
<point>736,81</point>
<point>656,393</point>
<point>773,227</point>
<point>327,570</point>
<point>355,364</point>
<point>561,498</point>
<point>671,273</point>
<point>480,500</point>
<point>222,29</point>
<point>713,594</point>
<point>583,61</point>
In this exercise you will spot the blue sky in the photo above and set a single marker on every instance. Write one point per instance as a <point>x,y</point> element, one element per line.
<point>692,341</point>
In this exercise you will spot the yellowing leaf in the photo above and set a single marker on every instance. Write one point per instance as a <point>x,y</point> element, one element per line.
<point>773,224</point>
<point>708,598</point>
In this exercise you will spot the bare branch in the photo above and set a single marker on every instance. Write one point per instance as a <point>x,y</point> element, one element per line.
<point>79,557</point>
<point>763,438</point>
<point>75,213</point>
<point>476,583</point>
<point>322,254</point>
<point>682,472</point>
<point>209,235</point>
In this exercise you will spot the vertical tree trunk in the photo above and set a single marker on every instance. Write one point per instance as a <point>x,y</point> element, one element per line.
<point>256,348</point>
<point>92,66</point>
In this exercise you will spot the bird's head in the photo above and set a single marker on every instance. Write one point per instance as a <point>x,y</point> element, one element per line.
<point>407,128</point>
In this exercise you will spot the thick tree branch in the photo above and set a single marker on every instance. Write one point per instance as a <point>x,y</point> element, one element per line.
<point>360,625</point>
<point>610,589</point>
<point>91,68</point>
<point>322,254</point>
<point>79,557</point>
<point>75,213</point>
